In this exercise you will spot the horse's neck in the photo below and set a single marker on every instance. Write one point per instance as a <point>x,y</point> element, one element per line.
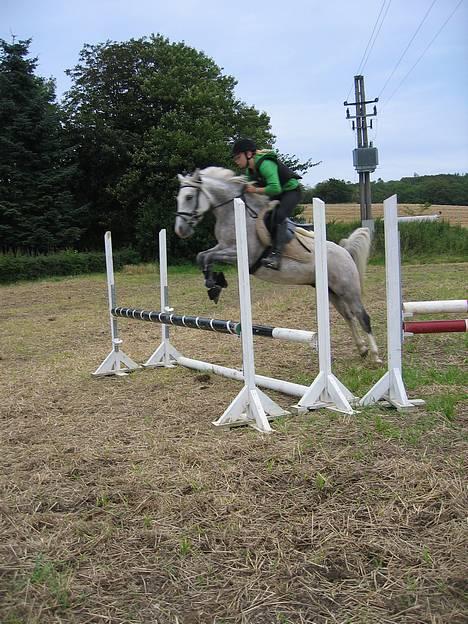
<point>224,192</point>
<point>225,228</point>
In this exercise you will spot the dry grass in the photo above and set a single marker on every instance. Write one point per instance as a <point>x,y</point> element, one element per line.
<point>455,215</point>
<point>120,503</point>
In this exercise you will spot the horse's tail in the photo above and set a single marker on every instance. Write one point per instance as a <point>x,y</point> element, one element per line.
<point>358,245</point>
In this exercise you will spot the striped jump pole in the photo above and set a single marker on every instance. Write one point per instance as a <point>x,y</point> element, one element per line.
<point>215,325</point>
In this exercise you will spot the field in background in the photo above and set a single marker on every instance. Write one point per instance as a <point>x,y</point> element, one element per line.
<point>121,503</point>
<point>351,212</point>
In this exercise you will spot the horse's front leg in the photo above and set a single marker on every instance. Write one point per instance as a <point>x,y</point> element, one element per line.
<point>215,281</point>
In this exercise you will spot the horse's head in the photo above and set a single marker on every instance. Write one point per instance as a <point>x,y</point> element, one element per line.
<point>192,203</point>
<point>200,192</point>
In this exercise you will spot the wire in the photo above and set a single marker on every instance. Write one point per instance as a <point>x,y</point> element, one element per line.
<point>375,38</point>
<point>424,51</point>
<point>370,39</point>
<point>407,47</point>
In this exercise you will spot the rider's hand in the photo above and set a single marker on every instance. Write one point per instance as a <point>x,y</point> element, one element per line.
<point>252,189</point>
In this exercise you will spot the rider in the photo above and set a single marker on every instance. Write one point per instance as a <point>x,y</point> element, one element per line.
<point>277,181</point>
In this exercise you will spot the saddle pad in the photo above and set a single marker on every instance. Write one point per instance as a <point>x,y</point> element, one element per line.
<point>298,248</point>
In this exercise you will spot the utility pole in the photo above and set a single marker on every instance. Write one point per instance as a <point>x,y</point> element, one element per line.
<point>365,156</point>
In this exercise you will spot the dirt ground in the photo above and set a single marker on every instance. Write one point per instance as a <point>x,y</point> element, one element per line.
<point>121,503</point>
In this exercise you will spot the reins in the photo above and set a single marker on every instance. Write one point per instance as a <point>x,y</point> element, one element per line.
<point>194,217</point>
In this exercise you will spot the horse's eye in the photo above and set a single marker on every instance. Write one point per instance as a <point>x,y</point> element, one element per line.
<point>189,197</point>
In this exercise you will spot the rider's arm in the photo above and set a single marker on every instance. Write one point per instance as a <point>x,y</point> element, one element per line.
<point>269,171</point>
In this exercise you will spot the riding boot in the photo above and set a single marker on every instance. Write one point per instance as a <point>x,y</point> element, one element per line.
<point>273,259</point>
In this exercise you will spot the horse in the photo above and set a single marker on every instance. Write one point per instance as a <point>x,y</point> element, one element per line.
<point>214,189</point>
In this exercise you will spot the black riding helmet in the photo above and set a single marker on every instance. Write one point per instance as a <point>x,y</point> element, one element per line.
<point>243,145</point>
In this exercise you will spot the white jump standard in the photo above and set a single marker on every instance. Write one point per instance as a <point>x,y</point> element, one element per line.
<point>390,387</point>
<point>326,390</point>
<point>117,362</point>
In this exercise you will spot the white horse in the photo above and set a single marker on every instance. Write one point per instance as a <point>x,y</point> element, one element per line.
<point>215,188</point>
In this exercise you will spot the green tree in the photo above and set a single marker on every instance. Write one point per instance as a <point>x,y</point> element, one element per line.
<point>334,191</point>
<point>140,112</point>
<point>37,212</point>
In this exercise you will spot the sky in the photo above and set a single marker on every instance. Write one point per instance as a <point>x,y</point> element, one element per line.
<point>296,60</point>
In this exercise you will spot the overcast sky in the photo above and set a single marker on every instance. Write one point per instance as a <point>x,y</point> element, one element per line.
<point>296,60</point>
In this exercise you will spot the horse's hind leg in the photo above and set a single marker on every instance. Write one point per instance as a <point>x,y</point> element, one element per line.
<point>356,316</point>
<point>364,320</point>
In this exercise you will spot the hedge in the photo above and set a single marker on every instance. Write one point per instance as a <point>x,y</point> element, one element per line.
<point>15,268</point>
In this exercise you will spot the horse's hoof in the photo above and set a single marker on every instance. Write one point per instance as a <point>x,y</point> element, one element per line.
<point>213,293</point>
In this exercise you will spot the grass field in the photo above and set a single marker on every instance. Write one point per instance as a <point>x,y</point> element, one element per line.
<point>455,215</point>
<point>121,503</point>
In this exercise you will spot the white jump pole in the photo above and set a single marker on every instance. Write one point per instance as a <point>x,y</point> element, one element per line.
<point>326,390</point>
<point>450,306</point>
<point>166,354</point>
<point>117,362</point>
<point>390,387</point>
<point>251,404</point>
<point>279,385</point>
<point>434,217</point>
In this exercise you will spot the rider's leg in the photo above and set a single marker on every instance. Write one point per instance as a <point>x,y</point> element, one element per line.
<point>288,202</point>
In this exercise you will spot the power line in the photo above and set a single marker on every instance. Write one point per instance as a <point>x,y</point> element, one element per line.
<point>363,64</point>
<point>370,38</point>
<point>407,47</point>
<point>424,51</point>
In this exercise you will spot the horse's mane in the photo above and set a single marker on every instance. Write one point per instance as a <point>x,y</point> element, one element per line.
<point>223,175</point>
<point>220,176</point>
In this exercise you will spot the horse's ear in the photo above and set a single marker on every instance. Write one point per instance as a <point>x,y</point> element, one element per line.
<point>181,177</point>
<point>196,174</point>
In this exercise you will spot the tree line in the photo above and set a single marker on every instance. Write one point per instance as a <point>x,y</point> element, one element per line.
<point>107,155</point>
<point>442,189</point>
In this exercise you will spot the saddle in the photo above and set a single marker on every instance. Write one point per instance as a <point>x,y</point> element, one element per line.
<point>300,241</point>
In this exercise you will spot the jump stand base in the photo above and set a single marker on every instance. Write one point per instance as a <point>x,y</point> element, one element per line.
<point>116,363</point>
<point>165,355</point>
<point>390,390</point>
<point>251,407</point>
<point>412,404</point>
<point>327,392</point>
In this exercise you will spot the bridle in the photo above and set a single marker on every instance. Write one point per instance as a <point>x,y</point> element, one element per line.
<point>192,218</point>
